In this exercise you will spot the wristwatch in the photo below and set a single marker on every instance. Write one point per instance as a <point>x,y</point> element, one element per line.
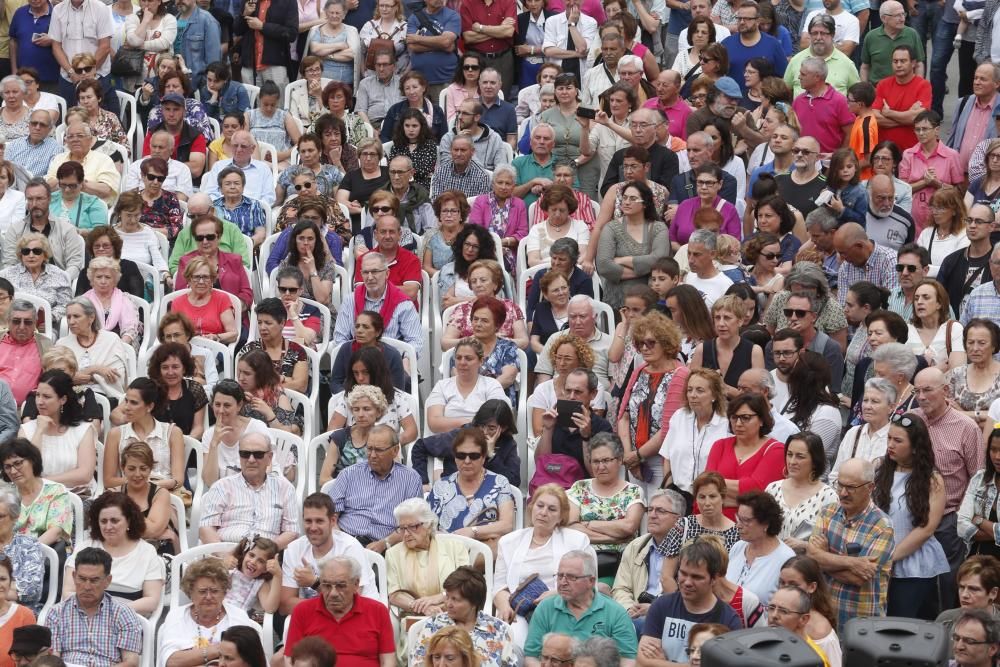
<point>571,24</point>
<point>978,521</point>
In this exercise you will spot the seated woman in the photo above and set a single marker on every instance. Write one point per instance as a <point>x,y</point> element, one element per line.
<point>153,501</point>
<point>359,184</point>
<point>501,361</point>
<point>266,400</point>
<point>473,502</point>
<point>503,213</point>
<point>171,367</point>
<point>337,97</point>
<point>348,445</point>
<point>454,400</point>
<point>418,564</point>
<point>210,310</point>
<point>451,209</point>
<point>161,209</point>
<point>220,95</point>
<point>208,614</point>
<point>227,269</point>
<point>307,252</point>
<point>306,102</point>
<point>220,444</point>
<point>104,241</point>
<point>413,86</point>
<point>368,330</point>
<point>606,508</point>
<point>70,204</point>
<point>559,202</point>
<point>472,243</point>
<point>552,312</point>
<point>120,315</point>
<point>36,275</point>
<point>20,595</point>
<point>568,353</point>
<point>728,352</point>
<point>289,358</point>
<point>269,123</point>
<point>564,173</point>
<point>103,123</point>
<point>139,243</point>
<point>117,526</point>
<point>61,358</point>
<point>327,177</point>
<point>142,399</point>
<point>485,281</point>
<point>177,328</point>
<point>382,204</point>
<point>232,205</point>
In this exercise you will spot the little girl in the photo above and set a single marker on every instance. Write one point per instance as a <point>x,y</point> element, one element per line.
<point>850,200</point>
<point>256,577</point>
<point>273,125</point>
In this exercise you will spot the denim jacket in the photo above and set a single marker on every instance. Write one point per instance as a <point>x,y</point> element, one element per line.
<point>978,501</point>
<point>234,98</point>
<point>201,44</point>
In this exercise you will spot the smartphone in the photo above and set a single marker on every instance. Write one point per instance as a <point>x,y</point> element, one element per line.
<point>853,549</point>
<point>565,411</point>
<point>584,112</point>
<point>35,36</point>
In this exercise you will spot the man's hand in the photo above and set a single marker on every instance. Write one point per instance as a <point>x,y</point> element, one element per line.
<point>582,422</point>
<point>304,575</point>
<point>254,23</point>
<point>866,568</point>
<point>44,41</point>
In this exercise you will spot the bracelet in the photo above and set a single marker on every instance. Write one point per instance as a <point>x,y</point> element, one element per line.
<point>204,654</point>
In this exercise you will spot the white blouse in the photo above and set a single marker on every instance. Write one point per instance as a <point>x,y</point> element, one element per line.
<point>860,442</point>
<point>937,348</point>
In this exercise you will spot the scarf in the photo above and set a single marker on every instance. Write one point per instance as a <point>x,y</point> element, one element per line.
<point>118,316</point>
<point>393,297</point>
<point>422,579</point>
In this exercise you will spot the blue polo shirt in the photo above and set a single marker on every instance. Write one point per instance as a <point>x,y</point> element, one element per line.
<point>22,26</point>
<point>437,66</point>
<point>605,618</point>
<point>739,55</point>
<point>500,117</point>
<point>361,14</point>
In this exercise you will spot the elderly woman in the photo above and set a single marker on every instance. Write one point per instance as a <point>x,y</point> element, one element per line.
<point>337,96</point>
<point>413,86</point>
<point>749,459</point>
<point>161,209</point>
<point>932,333</point>
<point>267,400</point>
<point>191,632</point>
<point>39,277</point>
<point>289,358</point>
<point>153,501</point>
<point>14,114</point>
<point>503,213</point>
<point>868,439</point>
<point>802,493</point>
<point>559,202</point>
<point>348,445</point>
<point>138,242</point>
<point>210,309</point>
<point>359,184</point>
<point>756,560</point>
<point>563,257</point>
<point>882,328</point>
<point>501,360</point>
<point>67,443</point>
<point>419,563</point>
<point>233,205</point>
<point>473,501</point>
<point>307,102</point>
<point>382,204</point>
<point>336,150</point>
<point>120,315</point>
<point>552,312</point>
<point>103,124</point>
<point>117,526</point>
<point>220,443</point>
<point>975,385</point>
<point>104,241</point>
<point>486,281</point>
<point>809,277</point>
<point>451,209</point>
<point>606,508</point>
<point>100,353</point>
<point>80,209</point>
<point>22,569</point>
<point>472,243</point>
<point>454,400</point>
<point>492,640</point>
<point>138,423</point>
<point>326,177</point>
<point>338,44</point>
<point>45,512</point>
<point>220,94</point>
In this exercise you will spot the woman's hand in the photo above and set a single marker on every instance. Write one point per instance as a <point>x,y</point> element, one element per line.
<point>220,434</point>
<point>505,612</point>
<point>631,460</point>
<point>307,264</point>
<point>588,266</point>
<point>602,118</point>
<point>294,310</point>
<point>106,372</point>
<point>254,23</point>
<point>258,404</point>
<point>42,423</point>
<point>313,87</point>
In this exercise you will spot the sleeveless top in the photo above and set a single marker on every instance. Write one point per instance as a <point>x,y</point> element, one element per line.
<point>927,561</point>
<point>332,69</point>
<point>270,130</point>
<point>158,440</point>
<point>742,360</point>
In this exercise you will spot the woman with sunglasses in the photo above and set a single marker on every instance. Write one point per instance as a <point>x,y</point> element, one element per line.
<point>713,64</point>
<point>226,267</point>
<point>160,208</point>
<point>465,85</point>
<point>763,253</point>
<point>383,204</point>
<point>73,206</point>
<point>36,275</point>
<point>325,177</point>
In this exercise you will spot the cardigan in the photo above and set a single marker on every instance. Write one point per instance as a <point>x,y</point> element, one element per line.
<point>513,547</point>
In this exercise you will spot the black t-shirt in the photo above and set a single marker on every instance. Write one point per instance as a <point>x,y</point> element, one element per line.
<point>802,197</point>
<point>669,621</point>
<point>960,275</point>
<point>361,189</point>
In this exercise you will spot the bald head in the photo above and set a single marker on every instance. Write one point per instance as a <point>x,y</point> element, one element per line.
<point>931,390</point>
<point>756,381</point>
<point>852,243</point>
<point>881,195</point>
<point>199,204</point>
<point>890,7</point>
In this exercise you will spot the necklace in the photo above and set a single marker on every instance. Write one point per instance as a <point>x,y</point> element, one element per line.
<point>198,624</point>
<point>472,496</point>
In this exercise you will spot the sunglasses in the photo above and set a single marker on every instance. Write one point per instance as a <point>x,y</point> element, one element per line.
<point>470,68</point>
<point>303,186</point>
<point>83,70</point>
<point>649,343</point>
<point>906,268</point>
<point>246,454</point>
<point>156,177</point>
<point>31,251</point>
<point>468,456</point>
<point>797,312</point>
<point>381,209</point>
<point>288,290</point>
<point>770,255</point>
<point>205,237</point>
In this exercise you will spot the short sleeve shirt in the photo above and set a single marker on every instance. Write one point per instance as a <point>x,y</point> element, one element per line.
<point>669,621</point>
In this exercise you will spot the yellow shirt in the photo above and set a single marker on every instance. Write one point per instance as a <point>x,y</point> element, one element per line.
<point>10,6</point>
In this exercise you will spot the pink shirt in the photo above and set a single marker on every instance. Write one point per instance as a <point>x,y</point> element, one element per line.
<point>20,366</point>
<point>946,164</point>
<point>677,114</point>
<point>823,117</point>
<point>976,125</point>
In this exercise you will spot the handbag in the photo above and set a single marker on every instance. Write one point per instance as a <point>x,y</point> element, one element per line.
<point>127,62</point>
<point>382,42</point>
<point>607,563</point>
<point>522,600</point>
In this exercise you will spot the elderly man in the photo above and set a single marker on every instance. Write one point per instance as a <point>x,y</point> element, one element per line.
<point>844,26</point>
<point>64,239</point>
<point>862,259</point>
<point>704,276</point>
<point>376,293</point>
<point>83,26</point>
<point>852,542</point>
<point>840,70</point>
<point>956,440</point>
<point>599,79</point>
<point>964,270</point>
<point>663,162</point>
<point>358,628</point>
<point>972,124</point>
<point>569,36</point>
<point>379,91</point>
<point>750,43</point>
<point>200,206</point>
<point>821,225</point>
<point>161,145</point>
<point>723,101</point>
<point>899,99</point>
<point>21,350</point>
<point>876,52</point>
<point>686,602</point>
<point>100,177</point>
<point>35,151</point>
<point>580,385</point>
<point>487,144</point>
<point>700,146</point>
<point>260,181</point>
<point>789,609</point>
<point>368,491</point>
<point>582,322</point>
<point>415,207</point>
<point>801,311</point>
<point>251,502</point>
<point>759,382</point>
<point>535,170</point>
<point>322,541</point>
<point>631,73</point>
<point>579,611</point>
<point>199,39</point>
<point>822,110</point>
<point>498,114</point>
<point>189,144</point>
<point>92,627</point>
<point>404,267</point>
<point>984,301</point>
<point>975,639</point>
<point>669,102</point>
<point>886,222</point>
<point>456,170</point>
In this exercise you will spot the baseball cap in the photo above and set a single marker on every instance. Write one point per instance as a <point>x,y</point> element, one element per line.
<point>172,97</point>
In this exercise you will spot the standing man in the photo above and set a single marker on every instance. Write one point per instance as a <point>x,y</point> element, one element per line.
<point>964,270</point>
<point>82,26</point>
<point>887,223</point>
<point>899,99</point>
<point>862,259</point>
<point>984,301</point>
<point>822,110</point>
<point>668,101</point>
<point>198,39</point>
<point>786,349</point>
<point>488,28</point>
<point>781,143</point>
<point>876,52</point>
<point>664,164</point>
<point>942,48</point>
<point>602,76</point>
<point>847,33</point>
<point>569,36</point>
<point>972,123</point>
<point>535,170</point>
<point>821,225</point>
<point>912,265</point>
<point>801,311</point>
<point>431,34</point>
<point>268,29</point>
<point>498,114</point>
<point>31,44</point>
<point>704,276</point>
<point>840,70</point>
<point>751,43</point>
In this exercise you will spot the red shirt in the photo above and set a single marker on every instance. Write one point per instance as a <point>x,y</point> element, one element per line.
<point>765,466</point>
<point>199,145</point>
<point>359,638</point>
<point>476,11</point>
<point>404,269</point>
<point>901,97</point>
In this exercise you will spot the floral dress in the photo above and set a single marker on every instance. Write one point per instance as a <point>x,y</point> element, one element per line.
<point>461,318</point>
<point>424,159</point>
<point>285,366</point>
<point>107,126</point>
<point>594,507</point>
<point>455,511</point>
<point>798,521</point>
<point>29,570</point>
<point>491,639</point>
<point>964,397</point>
<point>164,214</point>
<point>51,508</point>
<point>349,452</point>
<point>327,180</point>
<point>270,129</point>
<point>357,129</point>
<point>17,129</point>
<point>687,529</point>
<point>504,354</point>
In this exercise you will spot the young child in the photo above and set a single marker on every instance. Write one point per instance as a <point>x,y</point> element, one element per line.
<point>664,276</point>
<point>850,199</point>
<point>864,132</point>
<point>728,257</point>
<point>256,577</point>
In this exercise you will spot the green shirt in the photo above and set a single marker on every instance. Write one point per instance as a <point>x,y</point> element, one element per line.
<point>605,618</point>
<point>841,72</point>
<point>527,168</point>
<point>233,240</point>
<point>86,212</point>
<point>876,52</point>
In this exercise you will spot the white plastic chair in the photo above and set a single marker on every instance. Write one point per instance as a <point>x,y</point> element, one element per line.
<point>43,305</point>
<point>518,506</point>
<point>313,466</point>
<point>127,103</point>
<point>149,636</point>
<point>183,559</point>
<point>79,532</point>
<point>477,549</point>
<point>253,92</point>
<point>300,83</point>
<point>235,300</point>
<point>180,514</point>
<point>52,558</point>
<point>376,561</point>
<point>197,486</point>
<point>221,349</point>
<point>283,442</point>
<point>269,149</point>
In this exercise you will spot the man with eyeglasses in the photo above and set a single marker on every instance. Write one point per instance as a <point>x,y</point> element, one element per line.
<point>790,609</point>
<point>35,151</point>
<point>964,270</point>
<point>841,71</point>
<point>700,146</point>
<point>535,170</point>
<point>862,259</point>
<point>579,611</point>
<point>488,146</point>
<point>669,102</point>
<point>841,25</point>
<point>63,237</point>
<point>254,501</point>
<point>368,491</point>
<point>801,311</point>
<point>357,627</point>
<point>404,267</point>
<point>232,240</point>
<point>751,43</point>
<point>975,639</point>
<point>984,301</point>
<point>852,541</point>
<point>913,264</point>
<point>260,182</point>
<point>785,349</point>
<point>22,349</point>
<point>664,165</point>
<point>101,178</point>
<point>558,650</point>
<point>415,209</point>
<point>457,170</point>
<point>887,223</point>
<point>822,110</point>
<point>876,51</point>
<point>161,145</point>
<point>379,91</point>
<point>801,186</point>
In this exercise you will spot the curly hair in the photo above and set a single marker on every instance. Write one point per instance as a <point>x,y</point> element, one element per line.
<point>372,393</point>
<point>664,330</point>
<point>456,196</point>
<point>424,136</point>
<point>163,352</point>
<point>584,353</point>
<point>133,515</point>
<point>101,231</point>
<point>206,568</point>
<point>921,480</point>
<point>765,508</point>
<point>487,247</point>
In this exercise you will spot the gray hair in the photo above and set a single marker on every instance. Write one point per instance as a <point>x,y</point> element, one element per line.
<point>704,237</point>
<point>704,136</point>
<point>827,22</point>
<point>822,217</point>
<point>419,508</point>
<point>377,256</point>
<point>867,470</point>
<point>676,501</point>
<point>990,626</point>
<point>492,70</point>
<point>764,380</point>
<point>565,246</point>
<point>602,650</point>
<point>609,440</point>
<point>165,134</point>
<point>36,182</point>
<point>382,428</point>
<point>13,78</point>
<point>808,274</point>
<point>298,170</point>
<point>505,169</point>
<point>264,437</point>
<point>544,126</point>
<point>815,65</point>
<point>586,557</point>
<point>23,306</point>
<point>632,60</point>
<point>813,300</point>
<point>405,158</point>
<point>462,137</point>
<point>583,298</point>
<point>898,356</point>
<point>87,306</point>
<point>547,89</point>
<point>573,641</point>
<point>353,566</point>
<point>884,387</point>
<point>11,503</point>
<point>805,601</point>
<point>592,379</point>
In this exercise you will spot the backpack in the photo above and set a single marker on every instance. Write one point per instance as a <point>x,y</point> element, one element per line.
<point>556,469</point>
<point>381,42</point>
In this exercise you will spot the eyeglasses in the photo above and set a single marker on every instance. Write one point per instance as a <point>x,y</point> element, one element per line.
<point>371,272</point>
<point>968,641</point>
<point>976,221</point>
<point>252,454</point>
<point>646,343</point>
<point>412,528</point>
<point>770,255</point>
<point>706,184</point>
<point>563,576</point>
<point>379,450</point>
<point>773,608</point>
<point>705,59</point>
<point>781,354</point>
<point>906,268</point>
<point>31,251</point>
<point>744,418</point>
<point>205,237</point>
<point>156,177</point>
<point>746,18</point>
<point>803,151</point>
<point>470,246</point>
<point>644,126</point>
<point>303,186</point>
<point>13,465</point>
<point>849,488</point>
<point>83,70</point>
<point>381,209</point>
<point>201,279</point>
<point>399,172</point>
<point>882,158</point>
<point>659,511</point>
<point>19,322</point>
<point>468,456</point>
<point>924,130</point>
<point>797,312</point>
<point>38,123</point>
<point>602,462</point>
<point>552,660</point>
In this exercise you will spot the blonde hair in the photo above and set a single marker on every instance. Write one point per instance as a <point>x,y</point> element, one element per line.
<point>40,238</point>
<point>559,493</point>
<point>726,246</point>
<point>459,639</point>
<point>732,303</point>
<point>199,263</point>
<point>372,393</point>
<point>60,354</point>
<point>103,264</point>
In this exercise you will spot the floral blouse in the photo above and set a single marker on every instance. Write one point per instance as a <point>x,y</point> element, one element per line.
<point>491,638</point>
<point>798,521</point>
<point>356,127</point>
<point>454,511</point>
<point>598,508</point>
<point>964,397</point>
<point>107,126</point>
<point>686,530</point>
<point>51,508</point>
<point>504,354</point>
<point>327,180</point>
<point>461,318</point>
<point>194,114</point>
<point>29,570</point>
<point>348,452</point>
<point>424,159</point>
<point>164,214</point>
<point>285,366</point>
<point>286,417</point>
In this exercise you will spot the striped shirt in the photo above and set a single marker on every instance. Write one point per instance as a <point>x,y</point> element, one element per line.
<point>983,301</point>
<point>248,215</point>
<point>365,500</point>
<point>34,158</point>
<point>879,269</point>
<point>98,640</point>
<point>867,535</point>
<point>958,452</point>
<point>236,509</point>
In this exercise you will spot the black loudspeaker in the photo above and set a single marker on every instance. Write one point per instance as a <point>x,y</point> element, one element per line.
<point>894,642</point>
<point>759,647</point>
